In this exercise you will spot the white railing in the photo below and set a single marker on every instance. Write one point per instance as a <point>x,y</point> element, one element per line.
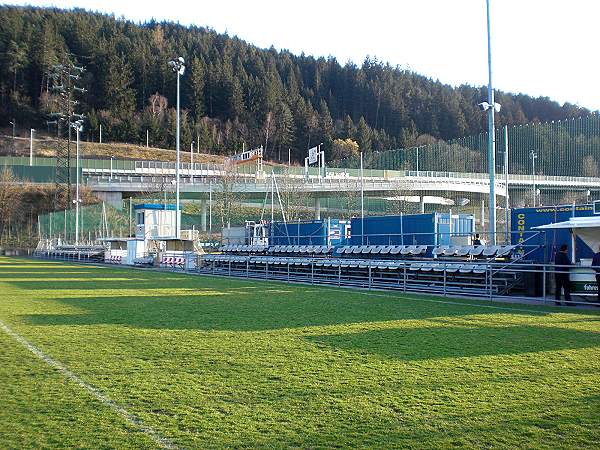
<point>195,172</point>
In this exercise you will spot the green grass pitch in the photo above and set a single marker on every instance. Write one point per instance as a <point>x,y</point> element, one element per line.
<point>216,362</point>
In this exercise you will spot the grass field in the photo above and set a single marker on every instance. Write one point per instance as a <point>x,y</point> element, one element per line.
<point>214,362</point>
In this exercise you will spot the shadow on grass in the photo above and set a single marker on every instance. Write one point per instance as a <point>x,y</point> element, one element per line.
<point>244,308</point>
<point>458,341</point>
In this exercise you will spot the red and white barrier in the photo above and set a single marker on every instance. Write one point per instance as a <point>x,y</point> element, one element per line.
<point>113,259</point>
<point>173,261</point>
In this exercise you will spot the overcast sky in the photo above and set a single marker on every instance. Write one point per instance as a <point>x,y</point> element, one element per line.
<point>540,47</point>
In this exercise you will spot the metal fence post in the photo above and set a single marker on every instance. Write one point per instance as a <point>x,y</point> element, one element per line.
<point>491,282</point>
<point>404,265</point>
<point>312,272</point>
<point>339,274</point>
<point>369,276</point>
<point>445,272</point>
<point>544,284</point>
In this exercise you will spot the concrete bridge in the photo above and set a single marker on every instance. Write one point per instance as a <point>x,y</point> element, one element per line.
<point>202,180</point>
<point>215,178</point>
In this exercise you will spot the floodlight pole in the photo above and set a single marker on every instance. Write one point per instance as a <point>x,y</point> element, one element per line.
<point>31,147</point>
<point>491,134</point>
<point>210,210</point>
<point>362,202</point>
<point>78,129</point>
<point>417,161</point>
<point>178,67</point>
<point>533,156</point>
<point>506,195</point>
<point>177,225</point>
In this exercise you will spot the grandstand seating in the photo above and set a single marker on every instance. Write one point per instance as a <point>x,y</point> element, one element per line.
<point>144,261</point>
<point>373,251</point>
<point>92,253</point>
<point>344,270</point>
<point>451,268</point>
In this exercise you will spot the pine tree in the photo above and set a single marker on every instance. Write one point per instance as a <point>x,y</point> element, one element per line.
<point>16,60</point>
<point>363,134</point>
<point>45,53</point>
<point>348,128</point>
<point>326,124</point>
<point>284,124</point>
<point>120,97</point>
<point>196,82</point>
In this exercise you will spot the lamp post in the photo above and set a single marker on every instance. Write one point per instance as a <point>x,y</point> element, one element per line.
<point>506,194</point>
<point>417,150</point>
<point>533,155</point>
<point>490,106</point>
<point>178,66</point>
<point>78,128</point>
<point>14,125</point>
<point>362,201</point>
<point>31,147</point>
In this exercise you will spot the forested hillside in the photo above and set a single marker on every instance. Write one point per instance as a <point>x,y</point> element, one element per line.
<point>232,92</point>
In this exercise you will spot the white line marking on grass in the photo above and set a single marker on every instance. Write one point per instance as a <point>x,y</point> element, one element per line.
<point>133,420</point>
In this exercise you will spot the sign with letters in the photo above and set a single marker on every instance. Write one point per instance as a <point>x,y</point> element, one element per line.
<point>313,155</point>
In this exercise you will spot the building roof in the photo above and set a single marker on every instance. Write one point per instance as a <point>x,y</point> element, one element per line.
<point>157,206</point>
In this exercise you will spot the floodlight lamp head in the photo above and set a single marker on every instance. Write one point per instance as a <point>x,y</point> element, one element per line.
<point>181,60</point>
<point>497,107</point>
<point>484,106</point>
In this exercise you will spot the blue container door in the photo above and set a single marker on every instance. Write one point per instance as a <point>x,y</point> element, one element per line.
<point>443,229</point>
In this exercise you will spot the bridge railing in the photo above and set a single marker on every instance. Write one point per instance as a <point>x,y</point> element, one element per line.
<point>199,170</point>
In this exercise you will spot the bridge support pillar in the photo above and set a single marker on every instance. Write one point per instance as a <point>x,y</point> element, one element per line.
<point>203,215</point>
<point>114,199</point>
<point>422,204</point>
<point>482,214</point>
<point>317,208</point>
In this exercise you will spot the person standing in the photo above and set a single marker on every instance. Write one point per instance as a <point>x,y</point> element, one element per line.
<point>561,275</point>
<point>596,266</point>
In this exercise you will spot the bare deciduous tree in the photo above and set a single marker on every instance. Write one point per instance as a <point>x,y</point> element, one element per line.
<point>11,194</point>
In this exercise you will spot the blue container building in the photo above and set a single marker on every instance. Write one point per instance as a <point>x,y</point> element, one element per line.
<point>311,232</point>
<point>415,229</point>
<point>540,246</point>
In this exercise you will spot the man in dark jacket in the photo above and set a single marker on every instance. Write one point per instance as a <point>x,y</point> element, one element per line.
<point>596,266</point>
<point>561,275</point>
